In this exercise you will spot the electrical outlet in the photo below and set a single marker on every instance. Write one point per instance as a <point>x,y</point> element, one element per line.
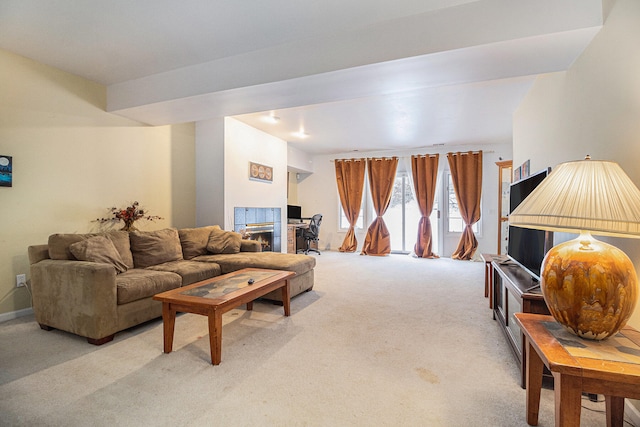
<point>21,280</point>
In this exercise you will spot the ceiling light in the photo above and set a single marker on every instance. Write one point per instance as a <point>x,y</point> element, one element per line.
<point>300,134</point>
<point>271,118</point>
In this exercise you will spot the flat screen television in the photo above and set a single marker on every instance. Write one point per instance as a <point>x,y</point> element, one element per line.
<point>294,212</point>
<point>527,247</point>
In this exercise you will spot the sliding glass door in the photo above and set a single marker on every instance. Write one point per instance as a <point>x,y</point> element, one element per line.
<point>403,215</point>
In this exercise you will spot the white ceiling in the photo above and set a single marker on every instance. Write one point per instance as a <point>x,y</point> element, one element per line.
<point>355,74</point>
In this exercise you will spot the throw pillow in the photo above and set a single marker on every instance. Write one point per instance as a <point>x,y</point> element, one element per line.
<point>59,244</point>
<point>120,240</point>
<point>98,249</point>
<point>224,242</point>
<point>194,240</point>
<point>155,247</point>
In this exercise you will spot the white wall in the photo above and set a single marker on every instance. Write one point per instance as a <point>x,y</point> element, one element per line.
<point>593,108</point>
<point>299,161</point>
<point>244,144</point>
<point>209,166</point>
<point>72,162</point>
<point>317,193</point>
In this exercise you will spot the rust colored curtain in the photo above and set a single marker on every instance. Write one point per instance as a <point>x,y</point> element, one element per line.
<point>350,180</point>
<point>424,170</point>
<point>382,175</point>
<point>466,174</point>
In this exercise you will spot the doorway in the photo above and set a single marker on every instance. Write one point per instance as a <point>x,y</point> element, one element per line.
<point>403,215</point>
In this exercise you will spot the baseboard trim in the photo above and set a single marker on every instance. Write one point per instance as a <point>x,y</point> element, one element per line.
<point>15,314</point>
<point>632,413</point>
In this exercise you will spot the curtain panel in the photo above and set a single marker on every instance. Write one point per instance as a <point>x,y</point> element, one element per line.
<point>382,175</point>
<point>424,170</point>
<point>466,174</point>
<point>350,181</point>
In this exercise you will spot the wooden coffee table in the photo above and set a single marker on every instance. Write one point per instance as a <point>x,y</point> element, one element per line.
<point>214,297</point>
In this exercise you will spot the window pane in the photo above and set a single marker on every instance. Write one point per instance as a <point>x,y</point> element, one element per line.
<point>393,216</point>
<point>401,218</point>
<point>411,217</point>
<point>344,222</point>
<point>434,226</point>
<point>456,224</point>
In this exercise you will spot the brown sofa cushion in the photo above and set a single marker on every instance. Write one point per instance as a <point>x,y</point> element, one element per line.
<point>250,246</point>
<point>224,242</point>
<point>137,284</point>
<point>194,240</point>
<point>120,240</point>
<point>297,263</point>
<point>58,245</point>
<point>98,249</point>
<point>155,247</point>
<point>190,271</point>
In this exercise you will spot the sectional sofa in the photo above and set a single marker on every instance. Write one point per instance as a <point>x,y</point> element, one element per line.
<point>95,285</point>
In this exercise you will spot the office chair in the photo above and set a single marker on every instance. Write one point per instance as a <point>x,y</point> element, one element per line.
<point>311,234</point>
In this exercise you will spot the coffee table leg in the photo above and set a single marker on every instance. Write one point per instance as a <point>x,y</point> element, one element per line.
<point>286,298</point>
<point>169,323</point>
<point>615,411</point>
<point>215,336</point>
<point>534,367</point>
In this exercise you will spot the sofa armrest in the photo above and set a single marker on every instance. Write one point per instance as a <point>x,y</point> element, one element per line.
<point>250,246</point>
<point>75,296</point>
<point>37,253</point>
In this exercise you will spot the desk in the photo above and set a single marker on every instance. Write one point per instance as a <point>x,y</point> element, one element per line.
<point>598,367</point>
<point>292,233</point>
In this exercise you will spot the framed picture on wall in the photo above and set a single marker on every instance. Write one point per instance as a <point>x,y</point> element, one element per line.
<point>525,168</point>
<point>6,171</point>
<point>517,173</point>
<point>258,172</point>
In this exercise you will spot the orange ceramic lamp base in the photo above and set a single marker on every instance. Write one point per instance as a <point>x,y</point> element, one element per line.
<point>590,287</point>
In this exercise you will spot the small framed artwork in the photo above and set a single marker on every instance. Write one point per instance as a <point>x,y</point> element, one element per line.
<point>525,169</point>
<point>258,172</point>
<point>517,173</point>
<point>6,171</point>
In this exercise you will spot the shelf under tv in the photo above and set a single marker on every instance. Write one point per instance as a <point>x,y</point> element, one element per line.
<point>515,291</point>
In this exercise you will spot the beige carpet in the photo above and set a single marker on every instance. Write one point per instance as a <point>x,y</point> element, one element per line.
<point>380,341</point>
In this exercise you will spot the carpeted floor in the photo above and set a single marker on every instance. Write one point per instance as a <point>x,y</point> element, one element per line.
<point>379,341</point>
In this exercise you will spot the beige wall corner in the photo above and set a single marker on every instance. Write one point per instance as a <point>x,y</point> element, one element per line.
<point>72,161</point>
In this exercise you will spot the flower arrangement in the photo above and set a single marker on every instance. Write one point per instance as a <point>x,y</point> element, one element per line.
<point>129,215</point>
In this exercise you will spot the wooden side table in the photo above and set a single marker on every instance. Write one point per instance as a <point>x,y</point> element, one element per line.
<point>610,367</point>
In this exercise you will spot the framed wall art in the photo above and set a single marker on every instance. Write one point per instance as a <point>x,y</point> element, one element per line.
<point>258,172</point>
<point>526,168</point>
<point>517,173</point>
<point>6,171</point>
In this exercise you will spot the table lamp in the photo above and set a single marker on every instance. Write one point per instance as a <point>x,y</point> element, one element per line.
<point>590,287</point>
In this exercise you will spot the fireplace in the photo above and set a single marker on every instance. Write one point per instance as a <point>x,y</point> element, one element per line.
<point>261,232</point>
<point>260,224</point>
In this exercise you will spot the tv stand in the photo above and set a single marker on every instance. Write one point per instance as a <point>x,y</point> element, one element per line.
<point>515,291</point>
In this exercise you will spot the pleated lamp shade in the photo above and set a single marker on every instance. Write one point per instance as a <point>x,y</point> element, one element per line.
<point>585,195</point>
<point>590,287</point>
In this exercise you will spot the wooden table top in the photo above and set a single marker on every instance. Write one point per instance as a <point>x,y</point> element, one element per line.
<point>614,359</point>
<point>227,287</point>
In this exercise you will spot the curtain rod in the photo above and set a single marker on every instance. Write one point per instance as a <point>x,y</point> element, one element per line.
<point>408,157</point>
